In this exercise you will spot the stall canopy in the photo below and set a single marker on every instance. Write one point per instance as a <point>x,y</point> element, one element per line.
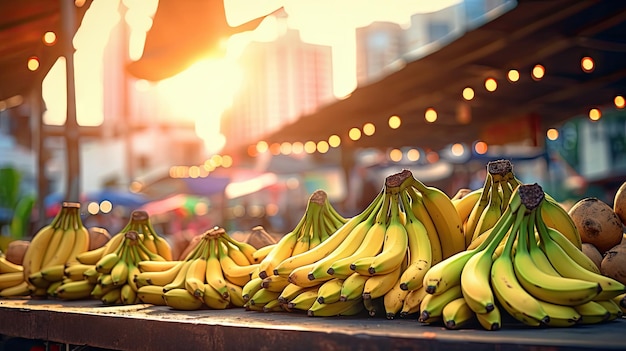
<point>555,34</point>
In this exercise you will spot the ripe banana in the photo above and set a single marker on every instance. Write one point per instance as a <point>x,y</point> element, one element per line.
<point>431,307</point>
<point>339,308</point>
<point>7,266</point>
<point>420,252</point>
<point>10,279</point>
<point>556,217</point>
<point>181,299</point>
<point>395,245</point>
<point>456,314</point>
<point>215,299</point>
<point>413,301</point>
<point>465,204</point>
<point>393,300</point>
<point>279,252</point>
<point>304,300</point>
<point>445,218</point>
<point>214,275</point>
<point>491,320</point>
<point>352,287</point>
<point>152,294</point>
<point>20,289</point>
<point>419,210</point>
<point>378,285</point>
<point>330,291</point>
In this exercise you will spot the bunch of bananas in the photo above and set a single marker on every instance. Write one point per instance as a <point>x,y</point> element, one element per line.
<point>210,276</point>
<point>372,261</point>
<point>93,274</point>
<point>480,209</point>
<point>522,268</point>
<point>52,247</point>
<point>12,281</point>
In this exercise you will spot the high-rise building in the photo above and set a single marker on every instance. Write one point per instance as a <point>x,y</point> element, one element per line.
<point>282,81</point>
<point>378,46</point>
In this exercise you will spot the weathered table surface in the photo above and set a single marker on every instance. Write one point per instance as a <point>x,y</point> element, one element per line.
<point>146,327</point>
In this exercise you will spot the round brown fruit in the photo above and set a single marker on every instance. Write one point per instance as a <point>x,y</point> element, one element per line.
<point>614,263</point>
<point>98,237</point>
<point>597,223</point>
<point>619,203</point>
<point>593,253</point>
<point>16,250</point>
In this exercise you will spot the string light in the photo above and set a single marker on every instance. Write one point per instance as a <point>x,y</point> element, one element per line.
<point>310,147</point>
<point>430,115</point>
<point>413,155</point>
<point>369,129</point>
<point>334,140</point>
<point>322,147</point>
<point>297,147</point>
<point>395,155</point>
<point>354,133</point>
<point>394,122</point>
<point>513,75</point>
<point>49,38</point>
<point>480,147</point>
<point>587,64</point>
<point>468,93</point>
<point>33,63</point>
<point>595,114</point>
<point>262,146</point>
<point>538,72</point>
<point>491,84</point>
<point>619,101</point>
<point>552,134</point>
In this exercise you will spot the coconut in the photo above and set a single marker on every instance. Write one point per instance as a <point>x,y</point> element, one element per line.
<point>16,250</point>
<point>619,203</point>
<point>614,263</point>
<point>593,253</point>
<point>98,237</point>
<point>596,223</point>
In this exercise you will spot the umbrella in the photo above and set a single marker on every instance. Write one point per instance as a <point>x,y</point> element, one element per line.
<point>183,204</point>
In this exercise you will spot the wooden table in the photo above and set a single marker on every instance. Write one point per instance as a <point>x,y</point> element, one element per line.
<point>146,327</point>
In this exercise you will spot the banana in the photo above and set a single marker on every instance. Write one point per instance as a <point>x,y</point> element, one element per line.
<point>107,262</point>
<point>160,278</point>
<point>447,273</point>
<point>53,273</point>
<point>292,290</point>
<point>569,268</point>
<point>378,285</point>
<point>91,275</point>
<point>362,265</point>
<point>36,280</point>
<point>509,292</point>
<point>111,245</point>
<point>119,272</point>
<point>74,290</point>
<point>431,307</point>
<point>195,277</point>
<point>155,266</point>
<point>572,251</point>
<point>412,301</point>
<point>234,253</point>
<point>76,271</point>
<point>465,204</point>
<point>7,266</point>
<point>112,297</point>
<point>272,306</point>
<point>214,299</point>
<point>280,251</point>
<point>10,279</point>
<point>232,271</point>
<point>327,246</point>
<point>247,249</point>
<point>151,294</point>
<point>395,245</point>
<point>91,257</point>
<point>620,300</point>
<point>476,273</point>
<point>65,247</point>
<point>393,300</point>
<point>375,307</point>
<point>235,294</point>
<point>181,299</point>
<point>479,207</point>
<point>613,308</point>
<point>560,315</point>
<point>353,241</point>
<point>274,283</point>
<point>420,252</point>
<point>53,287</point>
<point>592,312</point>
<point>370,246</point>
<point>445,218</point>
<point>551,288</point>
<point>262,297</point>
<point>491,213</point>
<point>353,286</point>
<point>262,252</point>
<point>251,288</point>
<point>556,217</point>
<point>304,300</point>
<point>491,320</point>
<point>163,247</point>
<point>456,314</point>
<point>300,276</point>
<point>339,308</point>
<point>420,212</point>
<point>81,240</point>
<point>214,275</point>
<point>128,295</point>
<point>21,289</point>
<point>330,291</point>
<point>33,256</point>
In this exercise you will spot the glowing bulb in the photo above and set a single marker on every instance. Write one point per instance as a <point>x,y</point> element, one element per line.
<point>587,64</point>
<point>413,155</point>
<point>552,134</point>
<point>513,75</point>
<point>355,134</point>
<point>322,147</point>
<point>481,147</point>
<point>262,146</point>
<point>594,114</point>
<point>457,149</point>
<point>285,148</point>
<point>394,122</point>
<point>33,63</point>
<point>297,147</point>
<point>395,155</point>
<point>334,140</point>
<point>49,38</point>
<point>369,129</point>
<point>468,93</point>
<point>430,115</point>
<point>491,84</point>
<point>538,72</point>
<point>310,147</point>
<point>619,101</point>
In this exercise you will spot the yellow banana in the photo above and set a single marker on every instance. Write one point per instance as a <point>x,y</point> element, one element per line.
<point>160,278</point>
<point>420,252</point>
<point>263,296</point>
<point>119,272</point>
<point>214,275</point>
<point>412,301</point>
<point>196,273</point>
<point>155,266</point>
<point>7,266</point>
<point>91,257</point>
<point>235,294</point>
<point>21,289</point>
<point>353,286</point>
<point>53,273</point>
<point>76,271</point>
<point>339,308</point>
<point>491,320</point>
<point>465,204</point>
<point>262,252</point>
<point>232,271</point>
<point>292,290</point>
<point>471,222</point>
<point>592,312</point>
<point>491,213</point>
<point>74,290</point>
<point>179,280</point>
<point>304,300</point>
<point>280,251</point>
<point>329,291</point>
<point>214,299</point>
<point>614,309</point>
<point>393,300</point>
<point>555,216</point>
<point>327,246</point>
<point>247,249</point>
<point>33,256</point>
<point>81,240</point>
<point>107,262</point>
<point>560,315</point>
<point>274,283</point>
<point>128,295</point>
<point>456,314</point>
<point>431,307</point>
<point>419,210</point>
<point>181,299</point>
<point>572,251</point>
<point>444,216</point>
<point>112,297</point>
<point>10,279</point>
<point>163,247</point>
<point>395,245</point>
<point>151,294</point>
<point>378,285</point>
<point>251,288</point>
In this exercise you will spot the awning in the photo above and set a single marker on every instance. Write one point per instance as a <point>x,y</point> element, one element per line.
<point>555,34</point>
